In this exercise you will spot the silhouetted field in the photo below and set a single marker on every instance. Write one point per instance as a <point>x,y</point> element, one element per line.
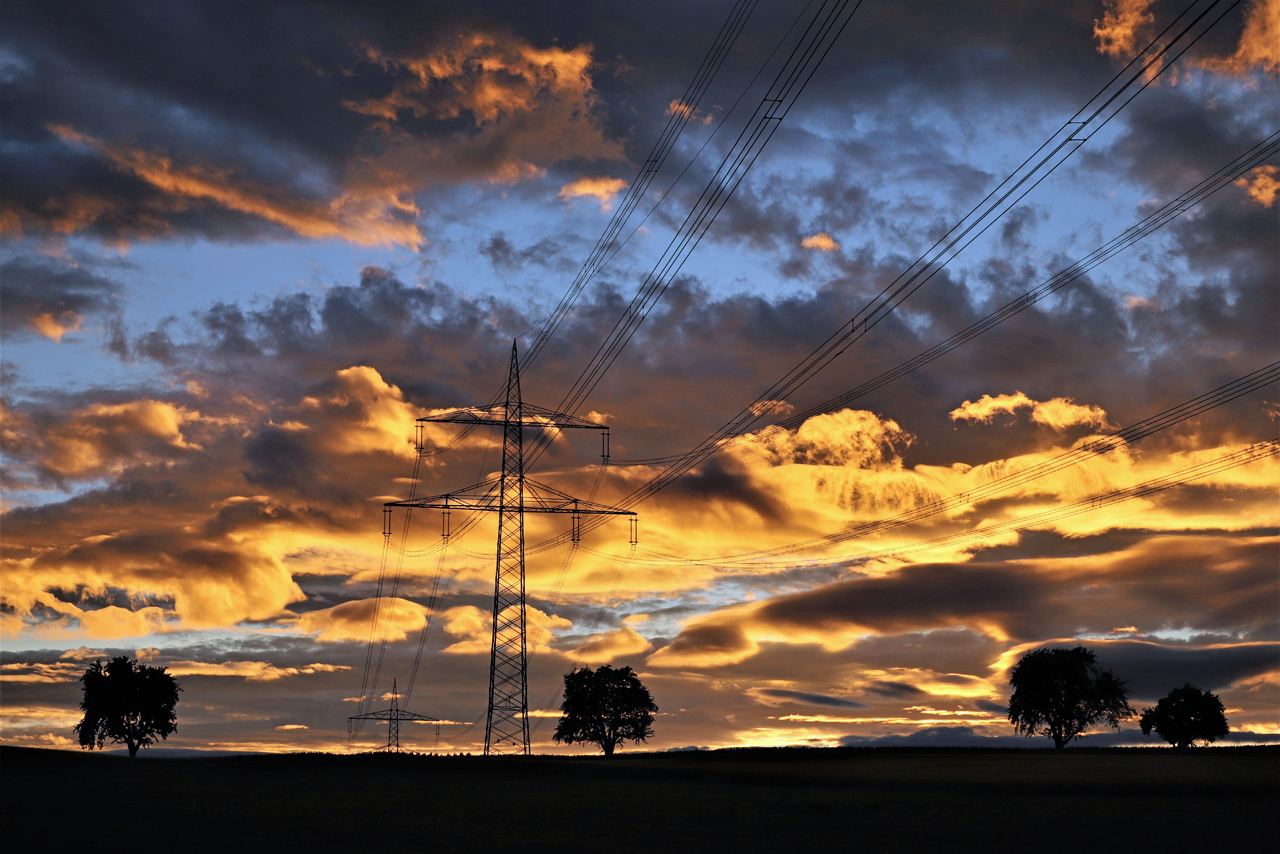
<point>750,800</point>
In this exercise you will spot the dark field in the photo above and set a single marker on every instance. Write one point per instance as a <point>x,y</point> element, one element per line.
<point>749,800</point>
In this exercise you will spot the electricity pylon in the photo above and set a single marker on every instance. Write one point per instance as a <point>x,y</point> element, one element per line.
<point>512,495</point>
<point>393,716</point>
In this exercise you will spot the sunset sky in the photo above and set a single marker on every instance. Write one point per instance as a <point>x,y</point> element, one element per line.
<point>246,245</point>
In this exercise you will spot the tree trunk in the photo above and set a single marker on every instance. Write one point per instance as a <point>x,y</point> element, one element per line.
<point>133,748</point>
<point>608,747</point>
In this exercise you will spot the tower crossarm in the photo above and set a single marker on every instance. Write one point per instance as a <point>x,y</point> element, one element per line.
<point>537,498</point>
<point>480,496</point>
<point>526,414</point>
<point>388,714</point>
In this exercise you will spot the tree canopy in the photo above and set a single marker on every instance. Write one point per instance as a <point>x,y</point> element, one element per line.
<point>1062,693</point>
<point>606,707</point>
<point>1186,715</point>
<point>127,703</point>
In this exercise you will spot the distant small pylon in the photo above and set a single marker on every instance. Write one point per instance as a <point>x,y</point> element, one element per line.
<point>393,716</point>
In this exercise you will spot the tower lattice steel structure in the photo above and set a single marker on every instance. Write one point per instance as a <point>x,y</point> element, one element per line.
<point>511,495</point>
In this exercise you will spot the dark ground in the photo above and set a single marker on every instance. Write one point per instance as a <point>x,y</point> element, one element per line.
<point>865,799</point>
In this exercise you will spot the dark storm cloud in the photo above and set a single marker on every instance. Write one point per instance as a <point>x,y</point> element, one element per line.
<point>1172,140</point>
<point>1165,584</point>
<point>277,100</point>
<point>52,296</point>
<point>716,483</point>
<point>251,122</point>
<point>805,697</point>
<point>505,257</point>
<point>1152,669</point>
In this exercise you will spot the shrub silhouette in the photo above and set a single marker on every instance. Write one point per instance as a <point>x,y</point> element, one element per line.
<point>1062,692</point>
<point>126,703</point>
<point>606,707</point>
<point>1186,715</point>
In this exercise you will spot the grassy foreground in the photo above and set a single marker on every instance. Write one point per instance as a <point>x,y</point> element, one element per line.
<point>876,799</point>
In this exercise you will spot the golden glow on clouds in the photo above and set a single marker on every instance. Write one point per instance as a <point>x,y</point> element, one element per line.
<point>484,75</point>
<point>53,326</point>
<point>1127,25</point>
<point>609,646</point>
<point>475,629</point>
<point>253,671</point>
<point>364,218</point>
<point>1259,45</point>
<point>529,107</point>
<point>212,585</point>
<point>399,618</point>
<point>602,189</point>
<point>1058,413</point>
<point>1262,185</point>
<point>516,172</point>
<point>101,438</point>
<point>821,241</point>
<point>361,413</point>
<point>1117,32</point>
<point>686,111</point>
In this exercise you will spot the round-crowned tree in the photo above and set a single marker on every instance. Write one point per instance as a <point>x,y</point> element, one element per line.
<point>127,703</point>
<point>1062,693</point>
<point>606,707</point>
<point>1186,715</point>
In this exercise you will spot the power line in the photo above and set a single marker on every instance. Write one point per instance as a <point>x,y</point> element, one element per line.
<point>1139,73</point>
<point>678,118</point>
<point>806,55</point>
<point>1161,217</point>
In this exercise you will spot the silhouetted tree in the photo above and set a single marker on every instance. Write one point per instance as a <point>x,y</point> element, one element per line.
<point>1062,692</point>
<point>606,707</point>
<point>1185,716</point>
<point>127,703</point>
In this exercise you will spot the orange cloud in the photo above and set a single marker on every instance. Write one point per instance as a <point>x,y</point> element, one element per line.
<point>610,646</point>
<point>1117,33</point>
<point>603,189</point>
<point>364,218</point>
<point>1262,185</point>
<point>539,102</point>
<point>475,628</point>
<point>101,437</point>
<point>1259,46</point>
<point>515,172</point>
<point>359,412</point>
<point>210,584</point>
<point>821,241</point>
<point>53,326</point>
<point>482,75</point>
<point>1058,413</point>
<point>253,671</point>
<point>399,618</point>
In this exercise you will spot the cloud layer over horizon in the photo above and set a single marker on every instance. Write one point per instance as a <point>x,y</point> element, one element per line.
<point>243,250</point>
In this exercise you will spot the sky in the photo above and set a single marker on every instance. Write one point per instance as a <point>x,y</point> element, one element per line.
<point>243,246</point>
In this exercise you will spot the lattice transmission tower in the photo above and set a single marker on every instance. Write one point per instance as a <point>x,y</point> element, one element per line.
<point>393,716</point>
<point>511,495</point>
